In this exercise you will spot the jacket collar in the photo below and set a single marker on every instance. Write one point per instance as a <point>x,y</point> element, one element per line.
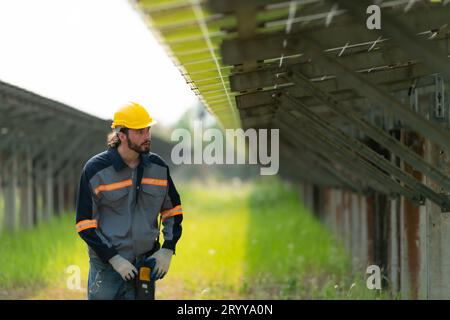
<point>118,162</point>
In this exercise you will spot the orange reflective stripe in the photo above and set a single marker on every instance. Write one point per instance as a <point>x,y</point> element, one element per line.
<point>113,186</point>
<point>86,224</point>
<point>171,215</point>
<point>154,182</point>
<point>170,210</point>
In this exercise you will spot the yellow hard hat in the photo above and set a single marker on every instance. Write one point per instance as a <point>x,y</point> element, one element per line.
<point>132,116</point>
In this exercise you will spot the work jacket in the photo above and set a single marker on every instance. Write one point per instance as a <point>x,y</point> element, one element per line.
<point>118,207</point>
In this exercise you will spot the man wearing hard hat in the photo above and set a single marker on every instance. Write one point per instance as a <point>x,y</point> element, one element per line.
<point>122,192</point>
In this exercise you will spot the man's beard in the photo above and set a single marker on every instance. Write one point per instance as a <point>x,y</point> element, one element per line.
<point>139,148</point>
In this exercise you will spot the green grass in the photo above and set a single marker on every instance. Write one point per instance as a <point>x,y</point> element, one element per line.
<point>40,257</point>
<point>253,241</point>
<point>257,241</point>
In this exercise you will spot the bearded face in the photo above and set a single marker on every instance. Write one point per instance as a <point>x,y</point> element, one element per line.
<point>139,140</point>
<point>139,148</point>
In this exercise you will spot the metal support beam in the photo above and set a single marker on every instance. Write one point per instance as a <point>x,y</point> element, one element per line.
<point>425,51</point>
<point>386,76</point>
<point>11,94</point>
<point>270,46</point>
<point>348,97</point>
<point>316,162</point>
<point>347,161</point>
<point>220,6</point>
<point>365,171</point>
<point>374,132</point>
<point>373,92</point>
<point>302,168</point>
<point>344,140</point>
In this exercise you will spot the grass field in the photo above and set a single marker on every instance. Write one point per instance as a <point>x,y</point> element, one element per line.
<point>240,241</point>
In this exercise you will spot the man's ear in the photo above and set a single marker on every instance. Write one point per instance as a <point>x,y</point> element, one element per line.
<point>121,136</point>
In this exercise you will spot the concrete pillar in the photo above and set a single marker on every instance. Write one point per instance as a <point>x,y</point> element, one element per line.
<point>394,246</point>
<point>363,230</point>
<point>60,189</point>
<point>49,196</point>
<point>394,230</point>
<point>26,193</point>
<point>2,191</point>
<point>72,187</point>
<point>38,195</point>
<point>347,203</point>
<point>380,228</point>
<point>405,285</point>
<point>338,212</point>
<point>370,205</point>
<point>414,249</point>
<point>11,205</point>
<point>438,232</point>
<point>318,202</point>
<point>326,210</point>
<point>355,216</point>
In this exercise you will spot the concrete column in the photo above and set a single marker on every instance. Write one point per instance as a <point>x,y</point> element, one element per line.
<point>363,231</point>
<point>347,203</point>
<point>38,195</point>
<point>380,243</point>
<point>61,199</point>
<point>370,212</point>
<point>11,194</point>
<point>49,196</point>
<point>335,211</point>
<point>27,189</point>
<point>394,247</point>
<point>414,253</point>
<point>355,216</point>
<point>438,232</point>
<point>72,187</point>
<point>328,194</point>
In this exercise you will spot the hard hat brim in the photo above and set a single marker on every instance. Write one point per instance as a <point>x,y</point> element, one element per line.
<point>150,124</point>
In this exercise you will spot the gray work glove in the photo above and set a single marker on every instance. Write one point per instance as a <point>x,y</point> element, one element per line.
<point>124,267</point>
<point>162,257</point>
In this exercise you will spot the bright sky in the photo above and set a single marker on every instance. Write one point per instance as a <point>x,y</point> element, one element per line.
<point>94,55</point>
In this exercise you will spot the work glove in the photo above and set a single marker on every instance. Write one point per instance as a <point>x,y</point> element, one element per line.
<point>162,257</point>
<point>124,267</point>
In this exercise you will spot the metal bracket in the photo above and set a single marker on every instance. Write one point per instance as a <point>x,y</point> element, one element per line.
<point>411,98</point>
<point>446,208</point>
<point>439,105</point>
<point>414,96</point>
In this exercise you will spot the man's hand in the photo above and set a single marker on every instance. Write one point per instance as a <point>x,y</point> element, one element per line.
<point>163,257</point>
<point>124,267</point>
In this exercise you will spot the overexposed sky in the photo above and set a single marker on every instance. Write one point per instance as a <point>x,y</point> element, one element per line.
<point>93,55</point>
